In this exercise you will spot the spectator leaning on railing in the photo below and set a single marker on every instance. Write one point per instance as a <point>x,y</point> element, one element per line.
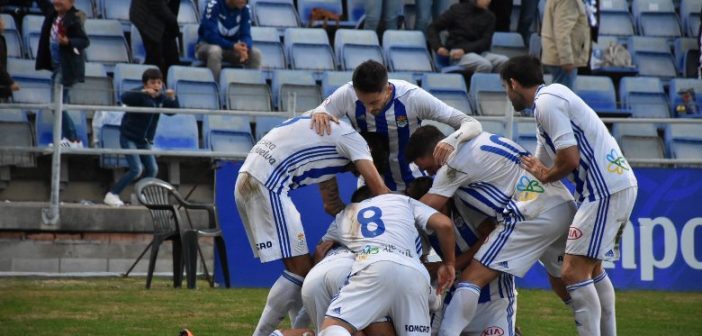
<point>61,50</point>
<point>138,129</point>
<point>225,34</point>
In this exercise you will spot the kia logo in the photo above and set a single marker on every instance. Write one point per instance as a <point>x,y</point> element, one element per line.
<point>493,331</point>
<point>574,233</point>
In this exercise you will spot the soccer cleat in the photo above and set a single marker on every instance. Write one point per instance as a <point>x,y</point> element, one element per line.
<point>113,200</point>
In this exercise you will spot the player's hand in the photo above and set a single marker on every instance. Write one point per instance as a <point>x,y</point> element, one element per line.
<point>457,53</point>
<point>442,151</point>
<point>320,122</point>
<point>442,52</point>
<point>432,268</point>
<point>151,92</point>
<point>170,93</point>
<point>63,40</point>
<point>322,249</point>
<point>445,276</point>
<point>15,87</point>
<point>534,167</point>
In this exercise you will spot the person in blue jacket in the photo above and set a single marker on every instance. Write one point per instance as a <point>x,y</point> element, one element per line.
<point>137,130</point>
<point>225,34</point>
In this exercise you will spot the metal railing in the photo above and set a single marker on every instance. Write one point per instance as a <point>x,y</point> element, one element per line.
<point>51,216</point>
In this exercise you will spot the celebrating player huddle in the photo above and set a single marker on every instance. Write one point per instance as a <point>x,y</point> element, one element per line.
<point>490,212</point>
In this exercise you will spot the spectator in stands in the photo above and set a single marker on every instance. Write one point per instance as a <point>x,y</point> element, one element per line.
<point>565,40</point>
<point>61,50</point>
<point>225,34</point>
<point>157,22</point>
<point>7,85</point>
<point>527,14</point>
<point>389,10</point>
<point>470,26</point>
<point>428,10</point>
<point>137,130</point>
<point>503,14</point>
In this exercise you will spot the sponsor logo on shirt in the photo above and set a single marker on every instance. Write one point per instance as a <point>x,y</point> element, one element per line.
<point>617,163</point>
<point>264,245</point>
<point>493,331</point>
<point>574,233</point>
<point>528,189</point>
<point>417,328</point>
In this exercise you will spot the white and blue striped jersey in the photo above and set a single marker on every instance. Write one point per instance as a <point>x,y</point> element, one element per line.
<point>400,118</point>
<point>384,228</point>
<point>485,173</point>
<point>564,120</point>
<point>293,155</point>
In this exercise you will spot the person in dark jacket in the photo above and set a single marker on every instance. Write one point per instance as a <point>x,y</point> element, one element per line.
<point>157,22</point>
<point>7,85</point>
<point>225,34</point>
<point>470,27</point>
<point>137,130</point>
<point>61,50</point>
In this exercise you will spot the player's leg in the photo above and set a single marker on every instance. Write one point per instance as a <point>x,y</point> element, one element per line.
<point>378,329</point>
<point>410,307</point>
<point>496,317</point>
<point>552,260</point>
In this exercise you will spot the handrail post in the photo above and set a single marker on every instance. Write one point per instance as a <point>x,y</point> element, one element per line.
<point>50,215</point>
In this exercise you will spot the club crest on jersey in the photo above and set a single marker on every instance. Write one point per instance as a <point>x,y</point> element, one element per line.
<point>401,121</point>
<point>617,163</point>
<point>300,239</point>
<point>528,189</point>
<point>493,331</point>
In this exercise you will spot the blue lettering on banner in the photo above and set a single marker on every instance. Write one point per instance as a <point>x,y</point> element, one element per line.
<point>660,249</point>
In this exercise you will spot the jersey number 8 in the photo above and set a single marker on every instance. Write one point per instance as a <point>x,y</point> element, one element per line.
<point>368,216</point>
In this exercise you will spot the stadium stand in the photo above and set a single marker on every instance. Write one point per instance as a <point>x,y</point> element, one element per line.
<point>194,87</point>
<point>12,37</point>
<point>684,141</point>
<point>354,47</point>
<point>36,85</point>
<point>227,133</point>
<point>190,37</point>
<point>298,83</point>
<point>332,80</point>
<point>97,88</point>
<point>107,43</point>
<point>17,131</point>
<point>136,45</point>
<point>615,19</point>
<point>44,127</point>
<point>127,77</point>
<point>644,97</point>
<point>87,7</point>
<point>509,44</point>
<point>450,88</point>
<point>487,95</point>
<point>109,138</point>
<point>187,13</point>
<point>305,7</point>
<point>656,18</point>
<point>244,90</point>
<point>682,47</point>
<point>675,98</point>
<point>639,141</point>
<point>525,135</point>
<point>177,132</point>
<point>116,10</point>
<point>406,51</point>
<point>267,40</point>
<point>309,49</point>
<point>494,126</point>
<point>405,76</point>
<point>652,56</point>
<point>31,29</point>
<point>599,93</point>
<point>690,16</point>
<point>280,14</point>
<point>265,124</point>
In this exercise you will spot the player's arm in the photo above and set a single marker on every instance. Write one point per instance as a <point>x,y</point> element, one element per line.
<point>372,178</point>
<point>443,227</point>
<point>329,190</point>
<point>330,110</point>
<point>484,230</point>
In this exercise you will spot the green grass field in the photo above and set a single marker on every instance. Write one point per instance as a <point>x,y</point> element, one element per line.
<point>118,306</point>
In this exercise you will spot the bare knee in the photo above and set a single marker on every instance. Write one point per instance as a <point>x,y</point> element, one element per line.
<point>577,268</point>
<point>299,265</point>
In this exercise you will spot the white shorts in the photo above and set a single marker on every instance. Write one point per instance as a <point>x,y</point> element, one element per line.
<point>496,317</point>
<point>385,289</point>
<point>516,244</point>
<point>271,220</point>
<point>597,225</point>
<point>322,283</point>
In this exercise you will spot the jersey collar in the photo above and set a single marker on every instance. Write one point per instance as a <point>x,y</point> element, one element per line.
<point>391,101</point>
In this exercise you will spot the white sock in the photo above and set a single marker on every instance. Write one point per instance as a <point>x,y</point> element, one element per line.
<point>334,330</point>
<point>461,310</point>
<point>605,291</point>
<point>586,308</point>
<point>276,333</point>
<point>302,319</point>
<point>282,296</point>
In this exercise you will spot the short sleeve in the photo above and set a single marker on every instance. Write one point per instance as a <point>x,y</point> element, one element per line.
<point>448,180</point>
<point>422,213</point>
<point>353,147</point>
<point>339,102</point>
<point>552,115</point>
<point>333,229</point>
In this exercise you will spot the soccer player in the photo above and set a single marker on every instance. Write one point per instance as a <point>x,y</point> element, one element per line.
<point>497,306</point>
<point>387,277</point>
<point>393,108</point>
<point>573,142</point>
<point>291,156</point>
<point>485,173</point>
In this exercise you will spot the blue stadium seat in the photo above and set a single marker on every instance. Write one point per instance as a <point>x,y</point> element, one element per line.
<point>535,45</point>
<point>644,97</point>
<point>449,88</point>
<point>297,82</point>
<point>265,124</point>
<point>356,11</point>
<point>446,129</point>
<point>227,133</point>
<point>690,15</point>
<point>652,56</point>
<point>280,14</point>
<point>332,80</point>
<point>116,10</point>
<point>187,13</point>
<point>309,49</point>
<point>31,30</point>
<point>639,141</point>
<point>137,46</point>
<point>354,47</point>
<point>405,76</point>
<point>508,44</point>
<point>488,96</point>
<point>615,19</point>
<point>245,90</point>
<point>97,88</point>
<point>44,127</point>
<point>494,127</point>
<point>128,77</point>
<point>16,131</point>
<point>525,134</point>
<point>656,18</point>
<point>406,51</point>
<point>87,6</point>
<point>681,47</point>
<point>194,87</point>
<point>190,38</point>
<point>176,132</point>
<point>304,8</point>
<point>107,43</point>
<point>598,92</point>
<point>267,40</point>
<point>35,85</point>
<point>684,141</point>
<point>679,84</point>
<point>12,37</point>
<point>109,138</point>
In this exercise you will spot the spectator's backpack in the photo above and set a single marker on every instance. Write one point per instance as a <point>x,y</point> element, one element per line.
<point>615,55</point>
<point>321,14</point>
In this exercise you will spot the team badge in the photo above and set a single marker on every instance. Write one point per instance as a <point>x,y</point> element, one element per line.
<point>401,121</point>
<point>300,239</point>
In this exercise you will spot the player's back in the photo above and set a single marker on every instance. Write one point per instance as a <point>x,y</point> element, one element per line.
<point>292,155</point>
